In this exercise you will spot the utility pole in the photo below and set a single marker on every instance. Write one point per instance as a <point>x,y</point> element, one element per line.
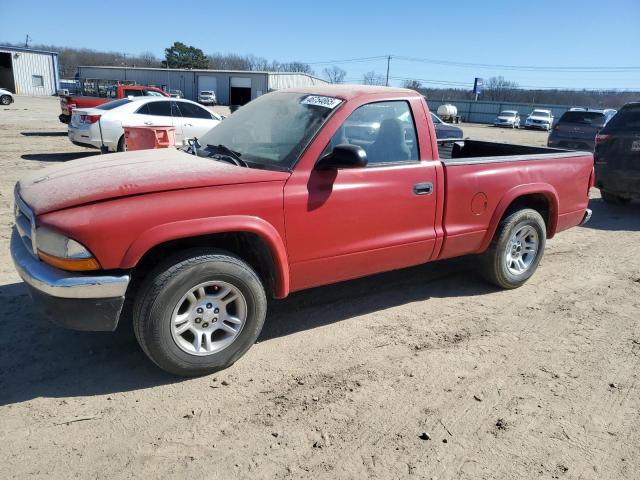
<point>26,41</point>
<point>388,63</point>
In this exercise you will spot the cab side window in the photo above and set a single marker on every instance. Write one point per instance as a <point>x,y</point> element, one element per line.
<point>133,93</point>
<point>385,130</point>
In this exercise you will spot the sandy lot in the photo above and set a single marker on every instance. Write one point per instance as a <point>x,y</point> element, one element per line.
<point>539,382</point>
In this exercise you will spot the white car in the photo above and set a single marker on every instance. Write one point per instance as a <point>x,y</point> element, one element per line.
<point>507,118</point>
<point>539,119</point>
<point>103,125</point>
<point>6,97</point>
<point>207,97</point>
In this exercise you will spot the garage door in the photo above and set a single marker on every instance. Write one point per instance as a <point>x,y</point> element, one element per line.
<point>207,82</point>
<point>240,82</point>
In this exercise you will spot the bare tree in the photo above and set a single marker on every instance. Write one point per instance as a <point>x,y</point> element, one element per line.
<point>372,78</point>
<point>334,74</point>
<point>497,88</point>
<point>412,84</point>
<point>148,59</point>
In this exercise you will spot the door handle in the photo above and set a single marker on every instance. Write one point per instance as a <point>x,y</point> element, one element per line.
<point>425,188</point>
<point>148,123</point>
<point>187,125</point>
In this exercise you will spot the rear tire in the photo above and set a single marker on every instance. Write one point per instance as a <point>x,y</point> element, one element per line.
<point>614,199</point>
<point>122,146</point>
<point>5,100</point>
<point>516,249</point>
<point>174,319</point>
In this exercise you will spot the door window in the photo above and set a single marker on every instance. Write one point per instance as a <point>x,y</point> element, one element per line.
<point>128,92</point>
<point>162,109</point>
<point>193,111</point>
<point>385,130</point>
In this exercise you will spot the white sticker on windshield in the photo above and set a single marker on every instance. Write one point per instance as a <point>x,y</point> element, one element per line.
<point>320,101</point>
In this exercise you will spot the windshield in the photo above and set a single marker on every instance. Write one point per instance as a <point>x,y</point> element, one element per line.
<point>507,113</point>
<point>539,113</point>
<point>273,129</point>
<point>114,104</point>
<point>585,118</point>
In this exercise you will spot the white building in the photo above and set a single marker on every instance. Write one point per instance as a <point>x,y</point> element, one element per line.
<point>25,71</point>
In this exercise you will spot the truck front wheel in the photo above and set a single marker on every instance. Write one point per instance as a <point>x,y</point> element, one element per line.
<point>199,312</point>
<point>516,249</point>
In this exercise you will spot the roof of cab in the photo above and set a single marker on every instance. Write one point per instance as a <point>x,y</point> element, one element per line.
<point>347,92</point>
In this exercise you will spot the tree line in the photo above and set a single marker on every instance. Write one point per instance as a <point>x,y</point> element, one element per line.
<point>178,55</point>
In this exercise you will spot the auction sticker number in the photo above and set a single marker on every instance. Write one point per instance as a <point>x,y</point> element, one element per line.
<point>320,101</point>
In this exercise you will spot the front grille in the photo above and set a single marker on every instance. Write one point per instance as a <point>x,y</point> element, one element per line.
<point>25,223</point>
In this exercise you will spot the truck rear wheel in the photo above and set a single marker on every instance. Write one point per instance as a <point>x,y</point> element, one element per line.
<point>199,312</point>
<point>516,249</point>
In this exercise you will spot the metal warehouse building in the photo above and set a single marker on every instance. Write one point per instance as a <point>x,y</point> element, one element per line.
<point>28,72</point>
<point>231,87</point>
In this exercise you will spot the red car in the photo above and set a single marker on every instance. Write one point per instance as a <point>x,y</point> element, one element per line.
<point>289,192</point>
<point>70,102</point>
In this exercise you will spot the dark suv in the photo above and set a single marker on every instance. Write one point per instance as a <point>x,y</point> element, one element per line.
<point>617,156</point>
<point>577,129</point>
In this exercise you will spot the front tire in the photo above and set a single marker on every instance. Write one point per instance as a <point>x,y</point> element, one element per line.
<point>199,312</point>
<point>5,100</point>
<point>516,249</point>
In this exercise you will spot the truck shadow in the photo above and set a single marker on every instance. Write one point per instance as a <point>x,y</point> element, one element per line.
<point>57,157</point>
<point>614,217</point>
<point>41,360</point>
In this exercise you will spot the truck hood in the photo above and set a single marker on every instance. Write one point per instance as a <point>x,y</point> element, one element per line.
<point>104,177</point>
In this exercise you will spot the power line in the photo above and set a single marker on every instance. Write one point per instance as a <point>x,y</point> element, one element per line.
<point>546,68</point>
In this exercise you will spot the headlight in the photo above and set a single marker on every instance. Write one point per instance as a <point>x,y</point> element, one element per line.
<point>63,252</point>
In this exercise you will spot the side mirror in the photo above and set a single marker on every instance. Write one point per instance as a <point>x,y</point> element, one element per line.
<point>343,156</point>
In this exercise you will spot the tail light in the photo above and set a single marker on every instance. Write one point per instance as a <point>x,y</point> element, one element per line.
<point>602,138</point>
<point>89,118</point>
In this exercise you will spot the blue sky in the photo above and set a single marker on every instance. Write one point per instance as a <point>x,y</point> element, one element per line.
<point>565,33</point>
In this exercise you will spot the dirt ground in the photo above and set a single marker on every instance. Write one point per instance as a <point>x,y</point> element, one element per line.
<point>539,382</point>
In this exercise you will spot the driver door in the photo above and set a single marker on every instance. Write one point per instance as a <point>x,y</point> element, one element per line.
<point>348,223</point>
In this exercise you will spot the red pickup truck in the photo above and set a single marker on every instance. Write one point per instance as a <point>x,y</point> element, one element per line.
<point>298,188</point>
<point>69,102</point>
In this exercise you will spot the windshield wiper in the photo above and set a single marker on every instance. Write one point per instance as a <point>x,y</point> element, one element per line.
<point>225,151</point>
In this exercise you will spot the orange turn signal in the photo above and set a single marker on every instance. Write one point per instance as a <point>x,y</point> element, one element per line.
<point>70,264</point>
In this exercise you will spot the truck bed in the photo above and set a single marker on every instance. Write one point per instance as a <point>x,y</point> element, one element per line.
<point>482,178</point>
<point>458,152</point>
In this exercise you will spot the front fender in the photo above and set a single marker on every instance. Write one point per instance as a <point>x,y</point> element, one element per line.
<point>204,226</point>
<point>545,189</point>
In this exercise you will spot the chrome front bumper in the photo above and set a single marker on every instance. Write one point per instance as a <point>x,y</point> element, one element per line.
<point>587,216</point>
<point>72,300</point>
<point>59,283</point>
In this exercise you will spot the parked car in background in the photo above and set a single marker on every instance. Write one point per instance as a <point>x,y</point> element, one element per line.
<point>577,129</point>
<point>6,97</point>
<point>70,102</point>
<point>103,125</point>
<point>176,94</point>
<point>539,118</point>
<point>445,130</point>
<point>617,156</point>
<point>207,97</point>
<point>283,196</point>
<point>507,118</point>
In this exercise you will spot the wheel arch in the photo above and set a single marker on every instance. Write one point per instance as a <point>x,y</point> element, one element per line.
<point>540,197</point>
<point>250,238</point>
